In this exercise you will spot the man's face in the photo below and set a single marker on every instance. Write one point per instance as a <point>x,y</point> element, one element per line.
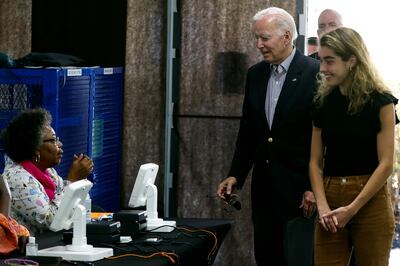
<point>274,46</point>
<point>311,48</point>
<point>327,22</point>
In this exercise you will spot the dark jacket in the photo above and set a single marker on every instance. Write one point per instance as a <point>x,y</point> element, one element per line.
<point>314,55</point>
<point>280,156</point>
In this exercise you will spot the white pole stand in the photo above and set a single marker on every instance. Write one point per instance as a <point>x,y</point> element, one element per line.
<point>154,223</point>
<point>79,250</point>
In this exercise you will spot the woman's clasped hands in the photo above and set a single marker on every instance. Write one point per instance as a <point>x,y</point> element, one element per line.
<point>335,219</point>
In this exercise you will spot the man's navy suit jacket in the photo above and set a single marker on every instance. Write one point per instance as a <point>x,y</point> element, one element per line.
<point>279,155</point>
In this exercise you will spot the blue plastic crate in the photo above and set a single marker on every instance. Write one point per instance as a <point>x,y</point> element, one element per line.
<point>106,137</point>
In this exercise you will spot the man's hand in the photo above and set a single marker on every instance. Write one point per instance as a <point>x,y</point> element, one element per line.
<point>226,186</point>
<point>308,204</point>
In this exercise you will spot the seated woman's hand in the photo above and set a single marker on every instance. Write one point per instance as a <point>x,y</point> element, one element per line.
<point>81,167</point>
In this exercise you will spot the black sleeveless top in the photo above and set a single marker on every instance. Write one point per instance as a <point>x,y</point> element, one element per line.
<point>350,140</point>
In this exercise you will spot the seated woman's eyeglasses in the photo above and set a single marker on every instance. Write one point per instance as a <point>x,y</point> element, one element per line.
<point>55,140</point>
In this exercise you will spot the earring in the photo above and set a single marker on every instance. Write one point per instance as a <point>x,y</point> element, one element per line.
<point>37,158</point>
<point>350,68</point>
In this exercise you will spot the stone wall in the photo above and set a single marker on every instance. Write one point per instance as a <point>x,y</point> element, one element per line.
<point>15,27</point>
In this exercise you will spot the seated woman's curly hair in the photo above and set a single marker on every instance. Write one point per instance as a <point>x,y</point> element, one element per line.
<point>24,134</point>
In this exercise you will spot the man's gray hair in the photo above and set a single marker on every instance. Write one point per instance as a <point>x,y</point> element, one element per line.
<point>282,19</point>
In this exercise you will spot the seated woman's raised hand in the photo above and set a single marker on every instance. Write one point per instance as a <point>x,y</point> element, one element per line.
<point>81,167</point>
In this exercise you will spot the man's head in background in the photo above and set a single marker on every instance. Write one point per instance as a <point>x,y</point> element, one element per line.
<point>328,20</point>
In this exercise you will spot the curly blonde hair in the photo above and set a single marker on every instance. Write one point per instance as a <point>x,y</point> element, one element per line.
<point>365,79</point>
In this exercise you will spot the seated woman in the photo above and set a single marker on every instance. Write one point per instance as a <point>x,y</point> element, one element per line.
<point>36,188</point>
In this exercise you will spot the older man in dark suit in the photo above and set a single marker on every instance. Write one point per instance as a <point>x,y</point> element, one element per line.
<point>274,138</point>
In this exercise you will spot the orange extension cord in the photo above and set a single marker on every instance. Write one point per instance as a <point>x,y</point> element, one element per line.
<point>172,257</point>
<point>213,249</point>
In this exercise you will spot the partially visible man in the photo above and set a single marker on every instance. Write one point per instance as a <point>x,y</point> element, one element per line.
<point>274,139</point>
<point>328,21</point>
<point>312,45</point>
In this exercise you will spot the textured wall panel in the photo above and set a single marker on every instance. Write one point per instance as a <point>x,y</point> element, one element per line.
<point>206,147</point>
<point>15,27</point>
<point>217,48</point>
<point>143,139</point>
